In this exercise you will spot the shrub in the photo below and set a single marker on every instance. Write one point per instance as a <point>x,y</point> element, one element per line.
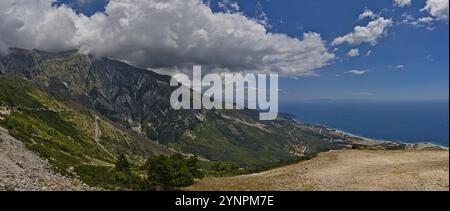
<point>172,172</point>
<point>122,164</point>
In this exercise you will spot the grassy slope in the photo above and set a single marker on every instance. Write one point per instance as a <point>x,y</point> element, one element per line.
<point>240,138</point>
<point>64,133</point>
<point>220,139</point>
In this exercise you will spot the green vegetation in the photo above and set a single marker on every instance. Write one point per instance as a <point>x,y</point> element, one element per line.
<point>122,164</point>
<point>139,99</point>
<point>158,173</point>
<point>65,135</point>
<point>49,115</point>
<point>110,178</point>
<point>121,177</point>
<point>44,130</point>
<point>219,139</point>
<point>68,68</point>
<point>381,147</point>
<point>171,172</point>
<point>226,169</point>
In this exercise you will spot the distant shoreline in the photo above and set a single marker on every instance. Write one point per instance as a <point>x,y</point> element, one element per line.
<point>403,122</point>
<point>387,141</point>
<point>373,139</point>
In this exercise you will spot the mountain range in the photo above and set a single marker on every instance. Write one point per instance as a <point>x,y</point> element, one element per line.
<point>77,110</point>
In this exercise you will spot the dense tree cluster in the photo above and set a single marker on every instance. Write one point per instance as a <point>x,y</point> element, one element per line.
<point>171,172</point>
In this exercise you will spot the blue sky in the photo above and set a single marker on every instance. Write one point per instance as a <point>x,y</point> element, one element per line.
<point>407,63</point>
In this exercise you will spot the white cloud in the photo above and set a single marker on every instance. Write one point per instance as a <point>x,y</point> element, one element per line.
<point>357,72</point>
<point>425,20</point>
<point>419,22</point>
<point>228,6</point>
<point>261,16</point>
<point>366,34</point>
<point>437,8</point>
<point>402,3</point>
<point>367,14</point>
<point>35,24</point>
<point>353,52</point>
<point>399,66</point>
<point>369,52</point>
<point>162,35</point>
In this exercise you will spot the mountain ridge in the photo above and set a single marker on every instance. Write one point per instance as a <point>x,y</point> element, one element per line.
<point>82,113</point>
<point>138,100</point>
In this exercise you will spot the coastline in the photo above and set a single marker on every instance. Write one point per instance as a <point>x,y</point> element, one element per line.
<point>422,123</point>
<point>380,141</point>
<point>430,144</point>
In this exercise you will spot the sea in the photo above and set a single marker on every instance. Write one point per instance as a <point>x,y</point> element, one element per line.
<point>407,122</point>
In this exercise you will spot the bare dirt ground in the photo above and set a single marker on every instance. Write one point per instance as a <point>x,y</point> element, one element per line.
<point>348,170</point>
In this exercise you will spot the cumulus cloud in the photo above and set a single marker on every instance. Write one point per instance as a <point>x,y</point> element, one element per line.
<point>35,24</point>
<point>357,72</point>
<point>402,3</point>
<point>353,52</point>
<point>162,35</point>
<point>437,8</point>
<point>366,34</point>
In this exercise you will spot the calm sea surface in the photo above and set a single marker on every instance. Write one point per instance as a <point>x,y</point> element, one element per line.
<point>410,122</point>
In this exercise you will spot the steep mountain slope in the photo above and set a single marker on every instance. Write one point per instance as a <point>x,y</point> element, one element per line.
<point>22,170</point>
<point>139,100</point>
<point>64,133</point>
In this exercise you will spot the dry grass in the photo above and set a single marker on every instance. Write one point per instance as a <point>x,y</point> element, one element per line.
<point>351,170</point>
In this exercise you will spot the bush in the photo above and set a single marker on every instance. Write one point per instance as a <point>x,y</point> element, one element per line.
<point>111,179</point>
<point>171,172</point>
<point>225,167</point>
<point>122,164</point>
<point>192,165</point>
